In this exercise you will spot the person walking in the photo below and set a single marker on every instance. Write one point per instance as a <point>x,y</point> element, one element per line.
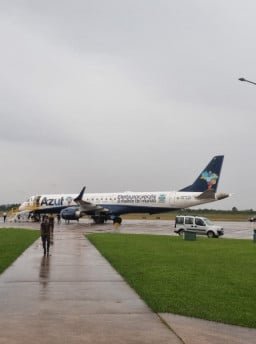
<point>51,223</point>
<point>45,229</point>
<point>4,216</point>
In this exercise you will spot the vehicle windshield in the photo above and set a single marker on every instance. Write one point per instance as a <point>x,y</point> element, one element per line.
<point>208,222</point>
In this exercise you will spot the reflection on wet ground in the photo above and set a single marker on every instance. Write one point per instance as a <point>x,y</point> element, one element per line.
<point>44,272</point>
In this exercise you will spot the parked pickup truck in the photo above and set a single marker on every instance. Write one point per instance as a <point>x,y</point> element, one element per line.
<point>199,225</point>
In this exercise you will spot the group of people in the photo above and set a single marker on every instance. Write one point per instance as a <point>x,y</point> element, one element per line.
<point>46,228</point>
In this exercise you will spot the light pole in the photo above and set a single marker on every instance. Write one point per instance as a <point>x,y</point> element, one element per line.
<point>243,79</point>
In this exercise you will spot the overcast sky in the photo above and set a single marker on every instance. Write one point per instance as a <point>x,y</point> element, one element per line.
<point>126,95</point>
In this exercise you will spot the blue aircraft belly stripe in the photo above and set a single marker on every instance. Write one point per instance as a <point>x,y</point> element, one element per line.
<point>49,210</point>
<point>126,209</point>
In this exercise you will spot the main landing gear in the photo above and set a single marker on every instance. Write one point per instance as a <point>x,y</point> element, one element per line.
<point>99,220</point>
<point>117,220</point>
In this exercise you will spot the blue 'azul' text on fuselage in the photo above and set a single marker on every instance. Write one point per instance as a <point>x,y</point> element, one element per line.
<point>52,201</point>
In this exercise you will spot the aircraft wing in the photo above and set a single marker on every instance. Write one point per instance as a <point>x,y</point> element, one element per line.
<point>86,207</point>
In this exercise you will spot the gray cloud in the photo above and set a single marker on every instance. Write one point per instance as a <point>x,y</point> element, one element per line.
<point>130,95</point>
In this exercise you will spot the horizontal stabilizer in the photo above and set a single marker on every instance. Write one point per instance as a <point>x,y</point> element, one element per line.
<point>208,194</point>
<point>222,195</point>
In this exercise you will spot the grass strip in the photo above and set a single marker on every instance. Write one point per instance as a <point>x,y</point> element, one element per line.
<point>13,241</point>
<point>211,279</point>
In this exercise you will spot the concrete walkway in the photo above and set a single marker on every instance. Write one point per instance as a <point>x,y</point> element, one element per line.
<point>75,296</point>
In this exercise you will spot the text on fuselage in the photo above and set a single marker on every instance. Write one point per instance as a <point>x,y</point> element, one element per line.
<point>52,201</point>
<point>133,198</point>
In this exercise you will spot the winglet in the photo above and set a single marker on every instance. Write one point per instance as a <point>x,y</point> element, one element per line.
<point>80,196</point>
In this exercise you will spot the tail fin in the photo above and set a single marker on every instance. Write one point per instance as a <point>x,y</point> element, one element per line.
<point>209,177</point>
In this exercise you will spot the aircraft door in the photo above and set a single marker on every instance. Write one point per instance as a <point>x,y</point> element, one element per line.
<point>172,199</point>
<point>37,201</point>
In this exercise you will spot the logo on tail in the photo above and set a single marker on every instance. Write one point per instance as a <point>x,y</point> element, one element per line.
<point>210,178</point>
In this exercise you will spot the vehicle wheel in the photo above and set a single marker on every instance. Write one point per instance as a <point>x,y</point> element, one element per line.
<point>210,234</point>
<point>181,232</point>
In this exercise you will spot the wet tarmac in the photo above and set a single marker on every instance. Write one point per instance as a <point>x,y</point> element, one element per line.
<point>75,296</point>
<point>232,230</point>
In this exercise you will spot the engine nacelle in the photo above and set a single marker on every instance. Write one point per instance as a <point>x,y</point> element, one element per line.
<point>70,213</point>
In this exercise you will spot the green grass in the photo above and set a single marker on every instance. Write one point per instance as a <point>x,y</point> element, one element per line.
<point>13,242</point>
<point>210,279</point>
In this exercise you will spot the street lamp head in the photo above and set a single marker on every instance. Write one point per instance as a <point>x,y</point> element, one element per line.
<point>251,82</point>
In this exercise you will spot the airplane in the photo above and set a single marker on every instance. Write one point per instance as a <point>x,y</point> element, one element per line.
<point>102,207</point>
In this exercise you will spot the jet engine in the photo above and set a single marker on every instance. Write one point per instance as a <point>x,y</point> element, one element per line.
<point>70,213</point>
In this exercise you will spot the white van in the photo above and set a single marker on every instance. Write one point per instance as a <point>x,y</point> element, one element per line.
<point>197,224</point>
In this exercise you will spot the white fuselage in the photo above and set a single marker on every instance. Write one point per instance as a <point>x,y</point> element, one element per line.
<point>132,201</point>
<point>159,199</point>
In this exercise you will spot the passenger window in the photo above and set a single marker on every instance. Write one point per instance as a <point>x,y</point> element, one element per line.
<point>200,222</point>
<point>189,220</point>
